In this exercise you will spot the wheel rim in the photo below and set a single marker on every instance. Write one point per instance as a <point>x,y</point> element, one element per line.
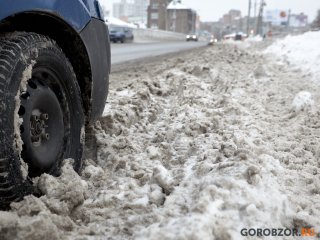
<point>42,130</point>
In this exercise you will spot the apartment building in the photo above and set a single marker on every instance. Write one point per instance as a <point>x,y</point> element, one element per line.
<point>180,18</point>
<point>157,14</point>
<point>131,10</point>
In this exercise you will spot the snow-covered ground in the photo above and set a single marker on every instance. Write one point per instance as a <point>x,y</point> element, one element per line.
<point>302,51</point>
<point>196,146</point>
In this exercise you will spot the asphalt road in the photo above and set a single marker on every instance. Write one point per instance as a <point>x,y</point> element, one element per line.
<point>130,51</point>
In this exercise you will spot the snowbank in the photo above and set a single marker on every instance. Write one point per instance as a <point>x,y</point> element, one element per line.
<point>256,38</point>
<point>192,147</point>
<point>303,51</point>
<point>302,102</point>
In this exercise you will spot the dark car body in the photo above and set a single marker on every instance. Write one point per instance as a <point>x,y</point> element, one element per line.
<point>120,34</point>
<point>79,29</point>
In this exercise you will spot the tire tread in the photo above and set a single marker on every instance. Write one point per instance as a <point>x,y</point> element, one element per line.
<point>12,185</point>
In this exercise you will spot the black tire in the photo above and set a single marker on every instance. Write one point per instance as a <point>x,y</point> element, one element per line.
<point>122,40</point>
<point>48,100</point>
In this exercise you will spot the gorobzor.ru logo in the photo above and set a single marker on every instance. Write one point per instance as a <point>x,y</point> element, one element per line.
<point>279,232</point>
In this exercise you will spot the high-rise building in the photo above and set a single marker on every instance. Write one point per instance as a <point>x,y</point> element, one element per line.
<point>131,10</point>
<point>235,15</point>
<point>232,21</point>
<point>123,9</point>
<point>231,18</point>
<point>141,7</point>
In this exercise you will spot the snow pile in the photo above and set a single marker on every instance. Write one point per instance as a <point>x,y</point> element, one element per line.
<point>190,156</point>
<point>303,51</point>
<point>197,147</point>
<point>249,42</point>
<point>302,102</point>
<point>112,21</point>
<point>47,217</point>
<point>256,38</point>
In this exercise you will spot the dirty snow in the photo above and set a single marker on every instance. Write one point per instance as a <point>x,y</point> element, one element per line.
<point>302,51</point>
<point>303,102</point>
<point>26,75</point>
<point>196,146</point>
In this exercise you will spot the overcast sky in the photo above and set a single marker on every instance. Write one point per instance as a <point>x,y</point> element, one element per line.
<point>212,10</point>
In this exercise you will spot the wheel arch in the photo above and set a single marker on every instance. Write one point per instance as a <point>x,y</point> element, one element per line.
<point>67,38</point>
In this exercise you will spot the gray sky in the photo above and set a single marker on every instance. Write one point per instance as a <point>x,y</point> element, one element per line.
<point>212,10</point>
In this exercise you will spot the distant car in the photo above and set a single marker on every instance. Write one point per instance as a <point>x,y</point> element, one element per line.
<point>212,40</point>
<point>238,37</point>
<point>235,36</point>
<point>192,37</point>
<point>120,34</point>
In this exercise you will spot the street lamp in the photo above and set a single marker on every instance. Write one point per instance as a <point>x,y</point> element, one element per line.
<point>248,20</point>
<point>259,21</point>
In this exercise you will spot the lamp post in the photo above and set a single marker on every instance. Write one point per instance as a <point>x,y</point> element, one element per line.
<point>260,16</point>
<point>248,20</point>
<point>174,15</point>
<point>192,21</point>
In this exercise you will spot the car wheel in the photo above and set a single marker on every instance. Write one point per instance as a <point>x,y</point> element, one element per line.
<point>122,40</point>
<point>41,113</point>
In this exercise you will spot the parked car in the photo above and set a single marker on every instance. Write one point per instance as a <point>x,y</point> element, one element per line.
<point>192,37</point>
<point>120,34</point>
<point>54,76</point>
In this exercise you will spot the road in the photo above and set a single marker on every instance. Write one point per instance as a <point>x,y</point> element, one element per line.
<point>130,51</point>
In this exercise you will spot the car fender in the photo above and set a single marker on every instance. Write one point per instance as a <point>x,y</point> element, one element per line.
<point>81,20</point>
<point>76,13</point>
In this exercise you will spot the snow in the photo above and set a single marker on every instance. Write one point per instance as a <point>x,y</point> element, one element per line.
<point>118,22</point>
<point>302,51</point>
<point>303,101</point>
<point>196,146</point>
<point>26,75</point>
<point>175,5</point>
<point>256,38</point>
